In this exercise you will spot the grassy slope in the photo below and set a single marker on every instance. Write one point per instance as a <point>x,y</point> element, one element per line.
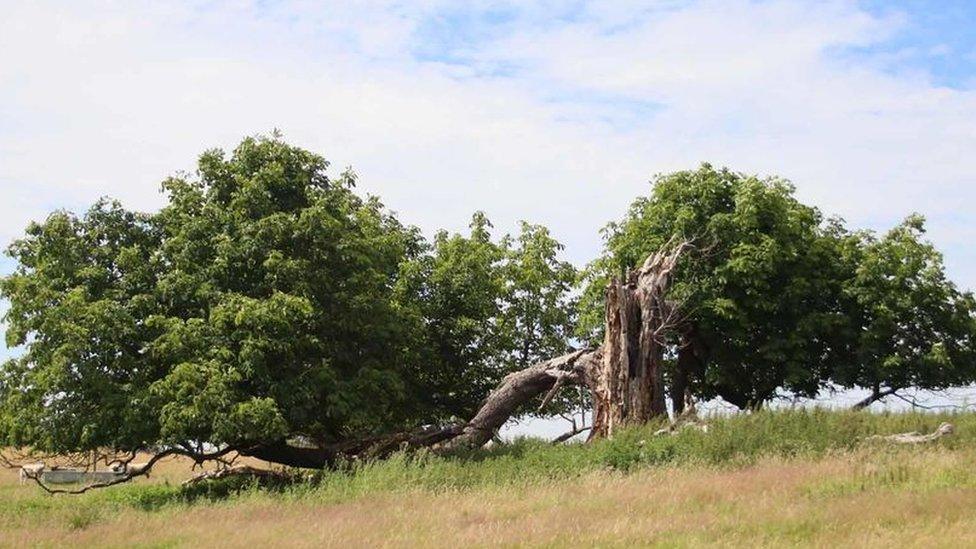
<point>768,479</point>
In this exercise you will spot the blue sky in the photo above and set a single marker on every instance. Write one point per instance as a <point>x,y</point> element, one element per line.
<point>553,112</point>
<point>936,39</point>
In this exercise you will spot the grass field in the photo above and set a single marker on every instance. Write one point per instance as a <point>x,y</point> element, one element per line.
<point>767,479</point>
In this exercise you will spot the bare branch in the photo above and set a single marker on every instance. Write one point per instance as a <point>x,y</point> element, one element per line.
<point>570,434</point>
<point>129,475</point>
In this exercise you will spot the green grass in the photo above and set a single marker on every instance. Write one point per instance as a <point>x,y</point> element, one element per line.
<point>730,442</point>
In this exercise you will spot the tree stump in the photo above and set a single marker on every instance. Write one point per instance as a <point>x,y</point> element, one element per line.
<point>628,387</point>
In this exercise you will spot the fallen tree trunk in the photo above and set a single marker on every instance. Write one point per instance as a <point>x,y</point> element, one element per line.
<point>514,392</point>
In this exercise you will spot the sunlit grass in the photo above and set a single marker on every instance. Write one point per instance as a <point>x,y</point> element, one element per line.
<point>765,478</point>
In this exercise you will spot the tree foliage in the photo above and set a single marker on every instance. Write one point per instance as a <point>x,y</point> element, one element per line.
<point>491,307</point>
<point>265,301</point>
<point>914,327</point>
<point>778,299</point>
<point>269,302</point>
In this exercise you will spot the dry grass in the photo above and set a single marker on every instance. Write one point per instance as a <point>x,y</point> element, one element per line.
<point>916,497</point>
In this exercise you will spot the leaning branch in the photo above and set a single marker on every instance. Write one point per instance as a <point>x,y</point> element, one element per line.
<point>519,388</point>
<point>570,434</point>
<point>876,395</point>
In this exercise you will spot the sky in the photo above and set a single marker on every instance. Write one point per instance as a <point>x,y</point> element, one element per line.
<point>556,113</point>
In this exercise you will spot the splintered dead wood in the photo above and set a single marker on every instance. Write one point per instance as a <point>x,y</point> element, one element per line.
<point>624,375</point>
<point>915,437</point>
<point>628,388</point>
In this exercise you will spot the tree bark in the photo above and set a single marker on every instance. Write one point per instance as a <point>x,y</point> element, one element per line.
<point>518,388</point>
<point>629,386</point>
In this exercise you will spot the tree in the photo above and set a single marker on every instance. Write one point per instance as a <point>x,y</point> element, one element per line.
<point>490,308</point>
<point>269,310</point>
<point>266,309</point>
<point>537,314</point>
<point>760,285</point>
<point>77,300</point>
<point>256,306</point>
<point>916,329</point>
<point>457,288</point>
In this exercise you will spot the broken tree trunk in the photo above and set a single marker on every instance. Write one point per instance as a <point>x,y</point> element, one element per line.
<point>625,375</point>
<point>629,385</point>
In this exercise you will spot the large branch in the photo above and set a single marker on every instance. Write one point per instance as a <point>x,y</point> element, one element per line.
<point>518,388</point>
<point>284,453</point>
<point>876,395</point>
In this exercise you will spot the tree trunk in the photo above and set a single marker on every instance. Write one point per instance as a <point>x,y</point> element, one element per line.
<point>690,363</point>
<point>629,386</point>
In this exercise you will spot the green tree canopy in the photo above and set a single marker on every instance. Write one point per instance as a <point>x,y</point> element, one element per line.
<point>265,301</point>
<point>775,298</point>
<point>760,288</point>
<point>915,328</point>
<point>268,302</point>
<point>491,307</point>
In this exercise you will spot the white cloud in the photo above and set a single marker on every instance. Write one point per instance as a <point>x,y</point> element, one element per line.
<point>109,99</point>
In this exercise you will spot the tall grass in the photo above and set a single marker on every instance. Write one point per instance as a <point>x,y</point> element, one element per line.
<point>731,441</point>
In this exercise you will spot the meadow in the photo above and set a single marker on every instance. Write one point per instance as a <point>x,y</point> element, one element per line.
<point>781,478</point>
